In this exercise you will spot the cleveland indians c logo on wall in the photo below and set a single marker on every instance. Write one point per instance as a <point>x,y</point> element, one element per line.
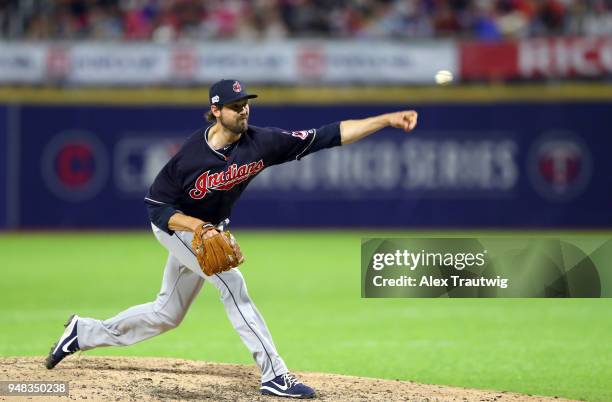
<point>75,165</point>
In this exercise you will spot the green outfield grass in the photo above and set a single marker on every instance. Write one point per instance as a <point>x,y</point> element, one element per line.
<point>307,285</point>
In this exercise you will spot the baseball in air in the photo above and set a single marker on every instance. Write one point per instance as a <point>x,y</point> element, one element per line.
<point>443,77</point>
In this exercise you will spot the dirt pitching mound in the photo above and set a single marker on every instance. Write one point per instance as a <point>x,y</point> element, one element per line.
<point>149,379</point>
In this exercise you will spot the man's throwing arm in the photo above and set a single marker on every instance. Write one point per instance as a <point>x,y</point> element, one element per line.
<point>354,130</point>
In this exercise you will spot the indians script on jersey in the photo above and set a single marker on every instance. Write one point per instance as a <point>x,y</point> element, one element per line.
<point>224,180</point>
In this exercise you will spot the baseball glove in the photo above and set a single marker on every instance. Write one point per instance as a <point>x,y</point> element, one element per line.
<point>217,253</point>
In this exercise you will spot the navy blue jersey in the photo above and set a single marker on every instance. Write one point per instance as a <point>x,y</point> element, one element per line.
<point>205,183</point>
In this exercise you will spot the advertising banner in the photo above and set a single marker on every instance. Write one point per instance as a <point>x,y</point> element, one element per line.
<point>91,167</point>
<point>586,57</point>
<point>304,61</point>
<point>21,63</point>
<point>118,64</point>
<point>253,62</point>
<point>383,62</point>
<point>287,62</point>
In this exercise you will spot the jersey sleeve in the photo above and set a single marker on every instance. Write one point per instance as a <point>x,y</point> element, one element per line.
<point>161,198</point>
<point>286,145</point>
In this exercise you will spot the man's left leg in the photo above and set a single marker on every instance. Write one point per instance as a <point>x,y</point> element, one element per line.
<point>249,324</point>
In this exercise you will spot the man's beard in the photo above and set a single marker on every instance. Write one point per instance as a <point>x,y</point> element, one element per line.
<point>237,126</point>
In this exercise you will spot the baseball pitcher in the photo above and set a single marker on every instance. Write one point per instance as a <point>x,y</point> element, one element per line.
<point>189,204</point>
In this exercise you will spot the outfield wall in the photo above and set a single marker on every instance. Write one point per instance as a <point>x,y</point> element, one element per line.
<point>4,157</point>
<point>477,163</point>
<point>303,62</point>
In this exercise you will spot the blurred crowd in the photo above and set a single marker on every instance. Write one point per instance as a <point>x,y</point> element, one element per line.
<point>170,20</point>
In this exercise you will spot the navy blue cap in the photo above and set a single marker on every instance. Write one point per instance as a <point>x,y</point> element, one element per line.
<point>227,91</point>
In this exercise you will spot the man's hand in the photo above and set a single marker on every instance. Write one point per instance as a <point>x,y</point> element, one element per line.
<point>210,233</point>
<point>405,120</point>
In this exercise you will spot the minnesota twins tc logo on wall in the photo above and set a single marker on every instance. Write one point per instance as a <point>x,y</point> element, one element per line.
<point>75,165</point>
<point>559,166</point>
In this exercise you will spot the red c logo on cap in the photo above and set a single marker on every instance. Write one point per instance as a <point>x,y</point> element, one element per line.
<point>236,87</point>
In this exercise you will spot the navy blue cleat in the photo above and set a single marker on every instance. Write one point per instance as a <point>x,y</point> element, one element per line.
<point>67,344</point>
<point>287,385</point>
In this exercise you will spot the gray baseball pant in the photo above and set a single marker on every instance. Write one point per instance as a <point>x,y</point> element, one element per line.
<point>181,283</point>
